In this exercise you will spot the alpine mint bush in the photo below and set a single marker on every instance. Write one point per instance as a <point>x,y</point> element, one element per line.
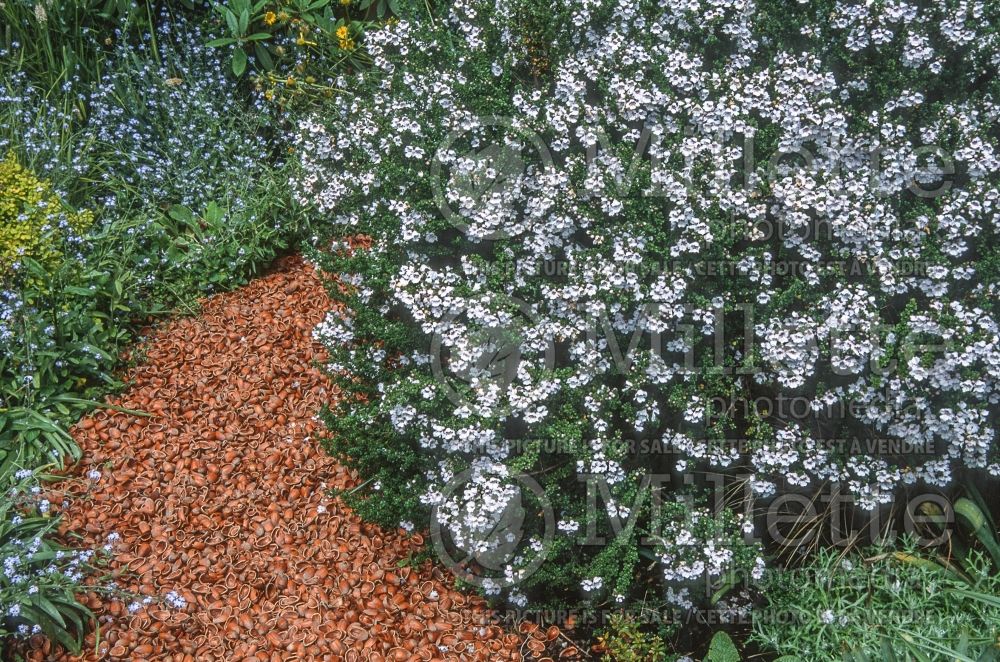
<point>599,232</point>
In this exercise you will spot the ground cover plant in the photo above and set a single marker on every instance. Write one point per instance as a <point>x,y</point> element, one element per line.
<point>639,278</point>
<point>915,607</point>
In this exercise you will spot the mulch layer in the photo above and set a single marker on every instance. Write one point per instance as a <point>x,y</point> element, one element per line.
<point>218,502</point>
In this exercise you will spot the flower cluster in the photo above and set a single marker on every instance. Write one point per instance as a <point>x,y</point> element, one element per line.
<point>157,128</point>
<point>734,210</point>
<point>165,124</point>
<point>697,547</point>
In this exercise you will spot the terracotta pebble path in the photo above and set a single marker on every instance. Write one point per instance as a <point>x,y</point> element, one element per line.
<point>219,502</point>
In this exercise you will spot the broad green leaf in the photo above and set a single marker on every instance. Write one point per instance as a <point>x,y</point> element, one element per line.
<point>233,24</point>
<point>722,649</point>
<point>977,521</point>
<point>263,56</point>
<point>180,213</point>
<point>992,600</point>
<point>239,61</point>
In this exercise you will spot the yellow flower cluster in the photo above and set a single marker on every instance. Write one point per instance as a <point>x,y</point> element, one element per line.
<point>344,37</point>
<point>33,219</point>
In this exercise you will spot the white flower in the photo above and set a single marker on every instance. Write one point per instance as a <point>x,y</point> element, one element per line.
<point>175,600</point>
<point>820,249</point>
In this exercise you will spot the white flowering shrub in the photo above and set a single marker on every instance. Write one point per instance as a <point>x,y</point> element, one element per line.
<point>594,229</point>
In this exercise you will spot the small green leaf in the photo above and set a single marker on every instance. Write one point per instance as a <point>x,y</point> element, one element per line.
<point>223,41</point>
<point>722,649</point>
<point>239,61</point>
<point>263,56</point>
<point>181,213</point>
<point>234,28</point>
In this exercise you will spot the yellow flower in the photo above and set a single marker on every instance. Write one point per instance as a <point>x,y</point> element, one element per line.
<point>270,18</point>
<point>347,44</point>
<point>342,32</point>
<point>345,2</point>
